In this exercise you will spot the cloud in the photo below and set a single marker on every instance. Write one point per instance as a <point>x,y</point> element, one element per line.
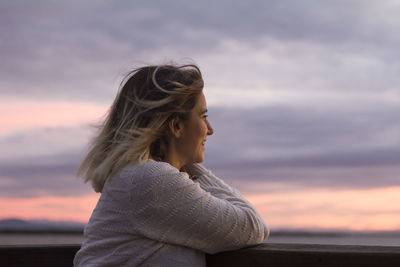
<point>365,209</point>
<point>334,148</point>
<point>43,162</point>
<point>22,180</point>
<point>260,149</point>
<point>77,50</point>
<point>300,92</point>
<point>75,208</point>
<point>25,115</point>
<point>286,133</point>
<point>39,144</point>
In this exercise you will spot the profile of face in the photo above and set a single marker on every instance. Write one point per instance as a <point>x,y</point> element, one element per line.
<point>189,136</point>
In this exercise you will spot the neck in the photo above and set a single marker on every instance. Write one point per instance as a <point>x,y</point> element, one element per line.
<point>172,157</point>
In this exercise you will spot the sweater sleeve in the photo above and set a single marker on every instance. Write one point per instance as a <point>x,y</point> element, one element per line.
<point>209,215</point>
<point>211,183</point>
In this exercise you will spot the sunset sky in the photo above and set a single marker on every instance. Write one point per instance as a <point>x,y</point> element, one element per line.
<point>303,96</point>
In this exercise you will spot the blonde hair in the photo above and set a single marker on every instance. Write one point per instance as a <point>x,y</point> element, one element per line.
<point>135,127</point>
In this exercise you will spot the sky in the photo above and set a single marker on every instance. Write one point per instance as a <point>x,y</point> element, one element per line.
<point>303,96</point>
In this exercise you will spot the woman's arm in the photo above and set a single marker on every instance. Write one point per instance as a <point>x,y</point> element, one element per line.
<point>169,207</point>
<point>211,183</point>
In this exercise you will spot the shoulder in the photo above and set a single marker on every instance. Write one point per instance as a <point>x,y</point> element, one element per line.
<point>153,179</point>
<point>151,169</point>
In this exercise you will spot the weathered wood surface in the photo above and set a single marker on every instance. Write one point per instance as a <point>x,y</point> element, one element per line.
<point>308,255</point>
<point>40,256</point>
<point>263,255</point>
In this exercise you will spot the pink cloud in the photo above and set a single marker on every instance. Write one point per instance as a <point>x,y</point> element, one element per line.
<point>52,208</point>
<point>361,209</point>
<point>22,115</point>
<point>366,209</point>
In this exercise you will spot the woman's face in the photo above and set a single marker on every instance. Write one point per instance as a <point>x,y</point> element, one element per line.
<point>194,134</point>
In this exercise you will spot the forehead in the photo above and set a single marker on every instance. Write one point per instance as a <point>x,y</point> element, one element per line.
<point>201,102</point>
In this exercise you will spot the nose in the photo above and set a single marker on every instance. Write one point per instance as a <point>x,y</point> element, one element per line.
<point>210,130</point>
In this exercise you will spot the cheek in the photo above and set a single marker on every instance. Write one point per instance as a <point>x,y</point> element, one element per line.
<point>202,132</point>
<point>198,133</point>
<point>204,128</point>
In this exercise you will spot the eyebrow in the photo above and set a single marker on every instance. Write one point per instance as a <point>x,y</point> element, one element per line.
<point>204,111</point>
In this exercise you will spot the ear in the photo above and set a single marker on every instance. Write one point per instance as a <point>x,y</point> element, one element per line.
<point>175,127</point>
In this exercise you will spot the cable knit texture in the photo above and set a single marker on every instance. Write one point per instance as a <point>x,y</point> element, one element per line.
<point>155,215</point>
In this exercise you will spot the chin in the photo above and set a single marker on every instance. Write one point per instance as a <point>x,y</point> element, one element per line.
<point>199,159</point>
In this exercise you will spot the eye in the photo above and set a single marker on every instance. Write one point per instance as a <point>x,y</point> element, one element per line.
<point>205,116</point>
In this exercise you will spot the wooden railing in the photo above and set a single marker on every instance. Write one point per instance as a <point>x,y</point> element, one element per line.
<point>262,255</point>
<point>309,255</point>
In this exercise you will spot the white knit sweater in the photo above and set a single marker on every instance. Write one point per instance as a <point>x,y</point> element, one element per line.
<point>154,215</point>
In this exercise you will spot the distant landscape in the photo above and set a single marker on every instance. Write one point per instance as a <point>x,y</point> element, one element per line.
<point>52,226</point>
<point>14,225</point>
<point>14,231</point>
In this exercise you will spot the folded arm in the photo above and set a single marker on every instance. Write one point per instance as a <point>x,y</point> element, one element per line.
<point>205,214</point>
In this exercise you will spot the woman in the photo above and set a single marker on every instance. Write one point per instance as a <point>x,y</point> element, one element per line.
<point>158,205</point>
